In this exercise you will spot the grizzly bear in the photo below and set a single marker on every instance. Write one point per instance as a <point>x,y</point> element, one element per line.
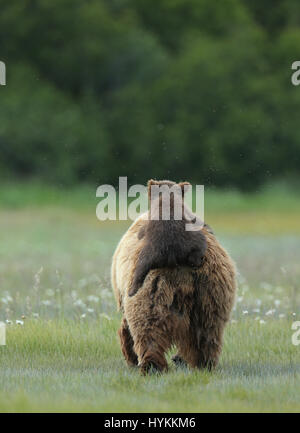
<point>186,306</point>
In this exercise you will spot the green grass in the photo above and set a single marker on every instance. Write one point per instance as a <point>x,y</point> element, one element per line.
<point>35,194</point>
<point>54,276</point>
<point>70,366</point>
<point>280,197</point>
<point>272,210</point>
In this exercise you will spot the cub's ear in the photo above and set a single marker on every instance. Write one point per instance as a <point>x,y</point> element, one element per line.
<point>149,184</point>
<point>152,182</point>
<point>184,183</point>
<point>185,186</point>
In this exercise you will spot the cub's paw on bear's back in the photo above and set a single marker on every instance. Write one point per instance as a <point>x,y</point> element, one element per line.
<point>195,257</point>
<point>167,243</point>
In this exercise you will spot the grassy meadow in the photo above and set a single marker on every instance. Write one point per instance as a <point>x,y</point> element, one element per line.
<point>62,351</point>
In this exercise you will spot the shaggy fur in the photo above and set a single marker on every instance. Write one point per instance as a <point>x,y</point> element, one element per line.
<point>183,306</point>
<point>166,242</point>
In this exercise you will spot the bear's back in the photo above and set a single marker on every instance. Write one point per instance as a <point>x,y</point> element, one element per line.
<point>218,269</point>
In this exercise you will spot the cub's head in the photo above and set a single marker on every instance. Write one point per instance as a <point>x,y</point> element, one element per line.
<point>176,188</point>
<point>166,199</point>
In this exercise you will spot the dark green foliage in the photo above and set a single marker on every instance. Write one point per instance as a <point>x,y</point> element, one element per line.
<point>178,89</point>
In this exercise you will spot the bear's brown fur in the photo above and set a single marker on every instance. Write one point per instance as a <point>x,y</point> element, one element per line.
<point>183,306</point>
<point>167,243</point>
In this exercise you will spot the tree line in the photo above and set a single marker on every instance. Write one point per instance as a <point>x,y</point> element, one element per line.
<point>179,89</point>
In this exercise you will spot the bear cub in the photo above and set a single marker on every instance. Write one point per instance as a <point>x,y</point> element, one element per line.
<point>167,243</point>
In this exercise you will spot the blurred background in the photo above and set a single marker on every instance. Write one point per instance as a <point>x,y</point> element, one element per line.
<point>195,90</point>
<point>187,90</point>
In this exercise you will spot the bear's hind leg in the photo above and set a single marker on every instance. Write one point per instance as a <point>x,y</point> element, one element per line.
<point>151,323</point>
<point>209,347</point>
<point>127,344</point>
<point>152,338</point>
<point>153,360</point>
<point>209,353</point>
<point>201,348</point>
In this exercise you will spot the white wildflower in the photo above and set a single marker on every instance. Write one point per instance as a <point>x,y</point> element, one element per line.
<point>270,312</point>
<point>79,303</point>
